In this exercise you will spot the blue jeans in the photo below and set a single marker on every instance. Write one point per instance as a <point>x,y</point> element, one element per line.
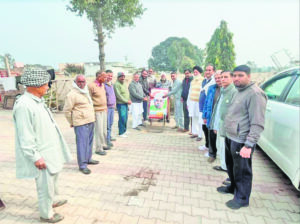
<point>84,142</point>
<point>110,121</point>
<point>123,117</point>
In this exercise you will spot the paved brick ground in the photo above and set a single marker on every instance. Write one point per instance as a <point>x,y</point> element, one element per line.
<point>148,178</point>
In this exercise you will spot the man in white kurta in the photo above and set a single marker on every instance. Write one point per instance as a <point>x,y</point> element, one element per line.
<point>40,147</point>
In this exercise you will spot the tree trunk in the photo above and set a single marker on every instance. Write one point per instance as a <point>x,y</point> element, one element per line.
<point>7,66</point>
<point>100,40</point>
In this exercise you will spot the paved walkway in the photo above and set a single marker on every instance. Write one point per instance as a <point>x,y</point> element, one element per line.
<point>148,178</point>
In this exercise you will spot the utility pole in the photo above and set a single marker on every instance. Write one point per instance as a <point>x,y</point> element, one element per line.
<point>7,65</point>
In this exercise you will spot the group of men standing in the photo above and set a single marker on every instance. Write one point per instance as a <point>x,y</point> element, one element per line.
<point>226,106</point>
<point>229,109</point>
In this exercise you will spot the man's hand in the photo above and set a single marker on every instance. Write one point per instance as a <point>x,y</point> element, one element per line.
<point>181,100</point>
<point>129,102</point>
<point>145,98</point>
<point>215,131</point>
<point>40,164</point>
<point>204,121</point>
<point>245,152</point>
<point>71,126</point>
<point>165,96</point>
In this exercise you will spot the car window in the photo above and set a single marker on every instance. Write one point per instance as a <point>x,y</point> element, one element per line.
<point>274,89</point>
<point>294,95</point>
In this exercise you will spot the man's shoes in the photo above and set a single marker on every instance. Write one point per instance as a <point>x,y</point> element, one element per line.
<point>175,127</point>
<point>101,153</point>
<point>59,203</point>
<point>185,130</point>
<point>85,170</point>
<point>56,218</point>
<point>190,133</point>
<point>110,144</point>
<point>194,136</point>
<point>112,139</point>
<point>206,155</point>
<point>198,139</point>
<point>93,162</point>
<point>224,190</point>
<point>202,148</point>
<point>211,159</point>
<point>168,121</point>
<point>106,148</point>
<point>142,125</point>
<point>137,128</point>
<point>123,136</point>
<point>219,168</point>
<point>227,182</point>
<point>234,204</point>
<point>2,205</point>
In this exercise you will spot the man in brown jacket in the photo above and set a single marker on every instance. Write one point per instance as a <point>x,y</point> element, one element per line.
<point>98,95</point>
<point>79,112</point>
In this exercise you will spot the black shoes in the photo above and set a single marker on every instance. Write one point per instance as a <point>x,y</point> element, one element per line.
<point>85,170</point>
<point>101,153</point>
<point>110,144</point>
<point>224,190</point>
<point>106,148</point>
<point>93,162</point>
<point>137,128</point>
<point>235,205</point>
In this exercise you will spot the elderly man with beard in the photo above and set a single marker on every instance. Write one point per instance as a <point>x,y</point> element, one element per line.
<point>79,112</point>
<point>98,95</point>
<point>41,150</point>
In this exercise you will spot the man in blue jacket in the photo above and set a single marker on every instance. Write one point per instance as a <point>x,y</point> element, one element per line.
<point>207,82</point>
<point>213,94</point>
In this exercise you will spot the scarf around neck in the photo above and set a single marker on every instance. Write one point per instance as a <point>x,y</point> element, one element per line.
<point>84,91</point>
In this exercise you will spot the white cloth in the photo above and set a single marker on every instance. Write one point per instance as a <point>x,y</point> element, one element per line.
<point>220,144</point>
<point>196,127</point>
<point>137,111</point>
<point>85,91</point>
<point>46,185</point>
<point>9,83</point>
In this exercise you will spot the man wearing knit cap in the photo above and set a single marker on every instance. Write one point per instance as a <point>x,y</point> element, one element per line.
<point>41,150</point>
<point>122,96</point>
<point>244,123</point>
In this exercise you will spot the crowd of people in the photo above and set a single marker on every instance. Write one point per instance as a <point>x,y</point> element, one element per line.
<point>223,107</point>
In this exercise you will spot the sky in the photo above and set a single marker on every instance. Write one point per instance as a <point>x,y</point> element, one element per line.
<point>44,32</point>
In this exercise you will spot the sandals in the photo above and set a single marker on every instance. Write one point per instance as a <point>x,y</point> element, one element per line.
<point>219,168</point>
<point>59,203</point>
<point>56,218</point>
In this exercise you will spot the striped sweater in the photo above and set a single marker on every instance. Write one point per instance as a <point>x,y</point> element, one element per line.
<point>195,88</point>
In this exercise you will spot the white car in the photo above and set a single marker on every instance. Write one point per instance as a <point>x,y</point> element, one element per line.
<point>280,138</point>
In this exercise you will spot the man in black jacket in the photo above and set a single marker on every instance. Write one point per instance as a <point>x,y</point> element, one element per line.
<point>186,83</point>
<point>144,82</point>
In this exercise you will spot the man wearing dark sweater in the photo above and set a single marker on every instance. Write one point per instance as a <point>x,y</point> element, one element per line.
<point>244,123</point>
<point>186,83</point>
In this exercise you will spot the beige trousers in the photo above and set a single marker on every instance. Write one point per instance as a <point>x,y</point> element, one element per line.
<point>100,135</point>
<point>46,185</point>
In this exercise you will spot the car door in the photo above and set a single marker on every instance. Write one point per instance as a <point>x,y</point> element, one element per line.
<point>278,136</point>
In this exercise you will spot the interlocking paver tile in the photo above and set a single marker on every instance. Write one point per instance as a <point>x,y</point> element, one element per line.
<point>182,189</point>
<point>254,219</point>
